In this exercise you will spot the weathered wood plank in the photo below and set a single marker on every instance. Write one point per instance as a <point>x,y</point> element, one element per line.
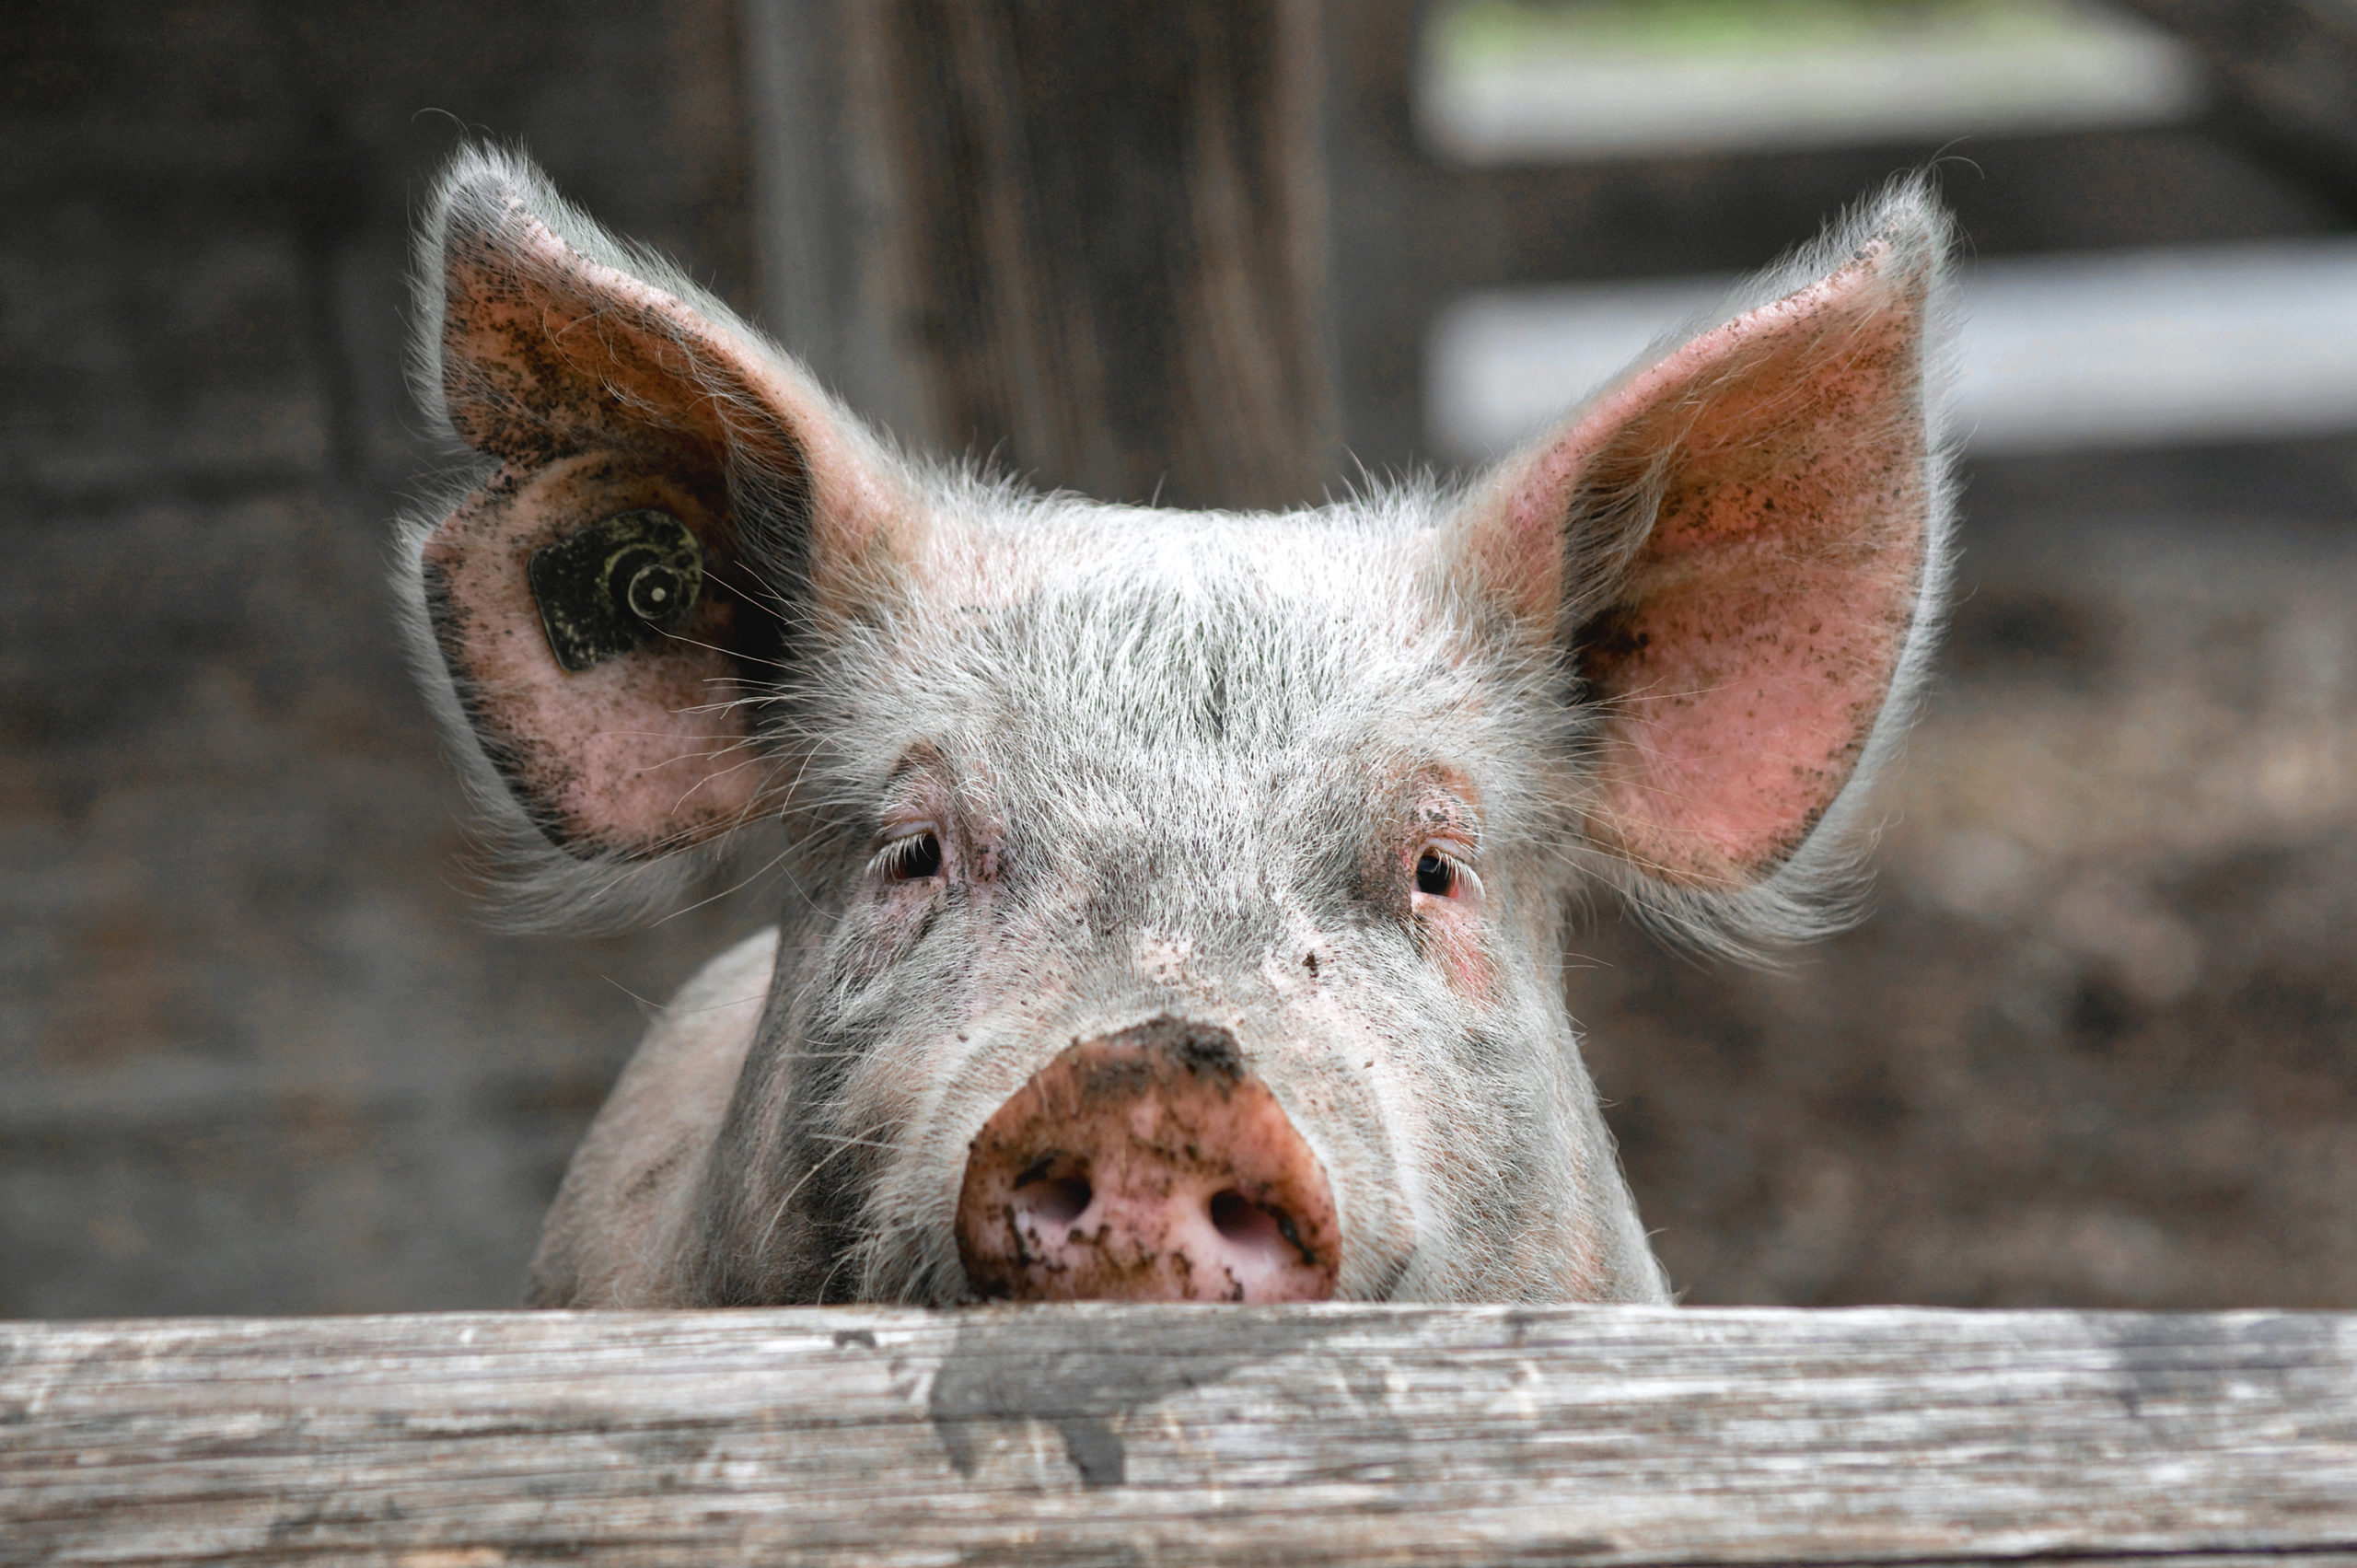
<point>1162,1434</point>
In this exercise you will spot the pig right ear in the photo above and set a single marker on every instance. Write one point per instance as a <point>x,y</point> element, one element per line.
<point>665,503</point>
<point>1735,555</point>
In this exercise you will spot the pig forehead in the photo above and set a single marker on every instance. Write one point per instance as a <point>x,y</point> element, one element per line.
<point>1232,642</point>
<point>1095,668</point>
<point>999,556</point>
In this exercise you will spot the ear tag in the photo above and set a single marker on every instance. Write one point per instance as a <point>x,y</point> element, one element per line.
<point>615,585</point>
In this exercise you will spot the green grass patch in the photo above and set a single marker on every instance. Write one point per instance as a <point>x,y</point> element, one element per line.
<point>1475,33</point>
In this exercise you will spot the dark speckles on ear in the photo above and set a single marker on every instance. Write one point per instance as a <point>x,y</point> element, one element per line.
<point>1743,659</point>
<point>603,395</point>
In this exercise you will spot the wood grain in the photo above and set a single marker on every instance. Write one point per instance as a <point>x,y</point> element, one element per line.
<point>1136,1435</point>
<point>1106,233</point>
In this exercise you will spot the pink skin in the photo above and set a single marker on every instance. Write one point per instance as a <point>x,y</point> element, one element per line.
<point>1757,631</point>
<point>541,345</point>
<point>1146,1165</point>
<point>627,753</point>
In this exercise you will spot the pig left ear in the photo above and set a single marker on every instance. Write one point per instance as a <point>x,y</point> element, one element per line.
<point>661,513</point>
<point>1738,551</point>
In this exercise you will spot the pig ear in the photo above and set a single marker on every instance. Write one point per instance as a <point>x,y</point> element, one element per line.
<point>662,504</point>
<point>1738,551</point>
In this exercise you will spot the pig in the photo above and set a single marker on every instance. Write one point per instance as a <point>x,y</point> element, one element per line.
<point>1172,904</point>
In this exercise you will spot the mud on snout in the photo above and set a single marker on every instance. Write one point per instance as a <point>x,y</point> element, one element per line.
<point>1147,1165</point>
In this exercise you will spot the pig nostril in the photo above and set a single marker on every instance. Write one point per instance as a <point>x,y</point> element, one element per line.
<point>1054,1203</point>
<point>1146,1167</point>
<point>1240,1220</point>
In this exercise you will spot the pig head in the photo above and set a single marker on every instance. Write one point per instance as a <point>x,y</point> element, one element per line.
<point>1171,904</point>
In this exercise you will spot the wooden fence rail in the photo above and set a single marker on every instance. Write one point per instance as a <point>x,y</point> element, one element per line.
<point>1150,1435</point>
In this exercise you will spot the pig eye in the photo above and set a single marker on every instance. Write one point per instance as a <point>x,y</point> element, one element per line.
<point>911,859</point>
<point>1439,876</point>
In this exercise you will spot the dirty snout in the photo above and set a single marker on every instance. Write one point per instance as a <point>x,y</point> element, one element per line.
<point>1146,1165</point>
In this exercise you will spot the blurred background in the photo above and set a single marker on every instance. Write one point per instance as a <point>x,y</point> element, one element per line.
<point>2097,1043</point>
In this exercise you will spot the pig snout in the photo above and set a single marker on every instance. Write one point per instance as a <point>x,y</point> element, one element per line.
<point>1146,1165</point>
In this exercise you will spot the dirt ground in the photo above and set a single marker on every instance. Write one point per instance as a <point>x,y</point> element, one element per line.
<point>2098,1042</point>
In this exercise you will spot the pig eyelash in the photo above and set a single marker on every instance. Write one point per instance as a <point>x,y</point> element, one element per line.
<point>1442,875</point>
<point>911,857</point>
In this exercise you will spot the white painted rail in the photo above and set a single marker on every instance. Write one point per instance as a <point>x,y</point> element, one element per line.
<point>2122,348</point>
<point>1570,102</point>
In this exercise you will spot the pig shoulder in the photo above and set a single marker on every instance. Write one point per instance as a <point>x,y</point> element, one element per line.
<point>626,1212</point>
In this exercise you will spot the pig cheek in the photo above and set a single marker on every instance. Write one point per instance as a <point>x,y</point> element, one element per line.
<point>903,915</point>
<point>892,927</point>
<point>951,1066</point>
<point>899,1085</point>
<point>1451,942</point>
<point>1361,1098</point>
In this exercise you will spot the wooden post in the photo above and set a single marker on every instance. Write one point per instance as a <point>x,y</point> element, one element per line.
<point>2287,70</point>
<point>1087,233</point>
